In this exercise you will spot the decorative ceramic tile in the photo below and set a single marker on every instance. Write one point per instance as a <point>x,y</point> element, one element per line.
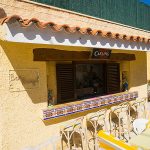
<point>88,104</point>
<point>99,101</point>
<point>131,95</point>
<point>79,107</point>
<point>95,103</point>
<point>70,109</point>
<point>60,111</point>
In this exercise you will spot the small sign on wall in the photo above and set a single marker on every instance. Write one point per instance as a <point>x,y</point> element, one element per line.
<point>23,79</point>
<point>98,53</point>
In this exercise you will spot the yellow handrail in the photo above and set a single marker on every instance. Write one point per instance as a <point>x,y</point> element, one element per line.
<point>148,124</point>
<point>110,142</point>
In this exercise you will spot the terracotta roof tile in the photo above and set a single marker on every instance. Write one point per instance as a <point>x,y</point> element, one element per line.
<point>11,18</point>
<point>118,36</point>
<point>85,30</point>
<point>113,35</point>
<point>98,32</point>
<point>138,38</point>
<point>70,29</point>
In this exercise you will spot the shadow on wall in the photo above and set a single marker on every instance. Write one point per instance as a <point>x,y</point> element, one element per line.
<point>32,74</point>
<point>2,13</point>
<point>26,78</point>
<point>138,70</point>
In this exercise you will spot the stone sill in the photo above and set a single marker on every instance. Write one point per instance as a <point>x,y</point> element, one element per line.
<point>87,104</point>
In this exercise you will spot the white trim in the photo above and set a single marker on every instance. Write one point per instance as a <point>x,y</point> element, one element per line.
<point>32,34</point>
<point>80,14</point>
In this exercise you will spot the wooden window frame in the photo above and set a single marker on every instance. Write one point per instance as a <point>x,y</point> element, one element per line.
<point>74,63</point>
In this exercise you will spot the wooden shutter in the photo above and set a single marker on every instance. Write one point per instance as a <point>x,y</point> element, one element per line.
<point>113,78</point>
<point>65,82</point>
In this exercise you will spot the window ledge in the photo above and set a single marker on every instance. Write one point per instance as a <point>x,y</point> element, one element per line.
<point>87,104</point>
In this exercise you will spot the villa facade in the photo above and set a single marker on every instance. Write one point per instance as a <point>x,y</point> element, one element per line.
<point>56,65</point>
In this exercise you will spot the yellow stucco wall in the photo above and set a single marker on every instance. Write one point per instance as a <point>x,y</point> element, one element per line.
<point>21,121</point>
<point>51,80</point>
<point>21,125</point>
<point>148,74</point>
<point>137,72</point>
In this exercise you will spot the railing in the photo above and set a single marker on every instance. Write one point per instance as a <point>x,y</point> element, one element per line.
<point>87,104</point>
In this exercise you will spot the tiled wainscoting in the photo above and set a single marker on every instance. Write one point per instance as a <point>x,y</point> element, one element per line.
<point>87,104</point>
